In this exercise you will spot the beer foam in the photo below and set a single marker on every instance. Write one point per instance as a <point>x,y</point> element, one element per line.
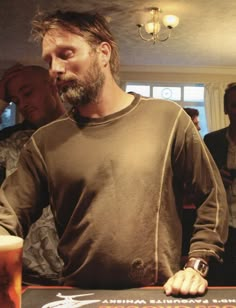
<point>10,242</point>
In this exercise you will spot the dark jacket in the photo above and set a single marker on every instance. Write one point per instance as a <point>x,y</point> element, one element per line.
<point>217,144</point>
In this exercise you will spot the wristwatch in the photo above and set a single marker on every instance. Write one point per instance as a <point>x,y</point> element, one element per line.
<point>199,265</point>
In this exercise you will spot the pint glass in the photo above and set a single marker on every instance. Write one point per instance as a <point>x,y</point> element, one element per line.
<point>10,271</point>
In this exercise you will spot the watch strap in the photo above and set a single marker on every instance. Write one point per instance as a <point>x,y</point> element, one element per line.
<point>199,265</point>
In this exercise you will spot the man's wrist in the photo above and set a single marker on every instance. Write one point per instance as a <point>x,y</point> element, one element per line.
<point>199,265</point>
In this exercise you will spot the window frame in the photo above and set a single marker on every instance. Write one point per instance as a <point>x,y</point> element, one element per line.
<point>181,102</point>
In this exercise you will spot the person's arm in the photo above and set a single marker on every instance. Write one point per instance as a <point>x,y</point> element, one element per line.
<point>193,163</point>
<point>23,194</point>
<point>3,231</point>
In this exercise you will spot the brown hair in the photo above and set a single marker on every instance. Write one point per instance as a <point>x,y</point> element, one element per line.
<point>192,112</point>
<point>92,26</point>
<point>230,87</point>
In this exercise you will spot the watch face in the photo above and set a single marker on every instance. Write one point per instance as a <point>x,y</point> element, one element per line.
<point>202,267</point>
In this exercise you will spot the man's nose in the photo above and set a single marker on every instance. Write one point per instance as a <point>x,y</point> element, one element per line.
<point>23,105</point>
<point>57,68</point>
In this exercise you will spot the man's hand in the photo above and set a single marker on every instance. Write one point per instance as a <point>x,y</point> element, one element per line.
<point>186,282</point>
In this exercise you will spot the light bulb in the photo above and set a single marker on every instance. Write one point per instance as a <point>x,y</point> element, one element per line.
<point>170,21</point>
<point>152,27</point>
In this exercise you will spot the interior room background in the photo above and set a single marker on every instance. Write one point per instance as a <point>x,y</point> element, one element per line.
<point>193,67</point>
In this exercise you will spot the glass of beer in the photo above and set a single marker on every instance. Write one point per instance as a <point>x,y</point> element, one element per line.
<point>10,271</point>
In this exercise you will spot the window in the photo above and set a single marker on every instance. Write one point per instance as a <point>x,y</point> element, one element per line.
<point>8,117</point>
<point>186,95</point>
<point>144,90</point>
<point>172,93</point>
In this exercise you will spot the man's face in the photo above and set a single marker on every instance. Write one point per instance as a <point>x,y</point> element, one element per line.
<point>32,94</point>
<point>74,65</point>
<point>230,107</point>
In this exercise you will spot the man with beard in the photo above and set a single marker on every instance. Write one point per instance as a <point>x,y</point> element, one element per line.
<point>114,171</point>
<point>222,145</point>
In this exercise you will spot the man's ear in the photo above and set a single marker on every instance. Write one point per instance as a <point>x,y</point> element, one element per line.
<point>104,49</point>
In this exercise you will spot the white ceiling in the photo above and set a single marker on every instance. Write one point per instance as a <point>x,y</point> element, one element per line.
<point>205,37</point>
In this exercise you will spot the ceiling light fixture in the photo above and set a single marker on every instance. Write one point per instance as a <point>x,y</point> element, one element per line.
<point>153,26</point>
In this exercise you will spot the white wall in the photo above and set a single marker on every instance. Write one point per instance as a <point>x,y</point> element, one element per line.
<point>178,74</point>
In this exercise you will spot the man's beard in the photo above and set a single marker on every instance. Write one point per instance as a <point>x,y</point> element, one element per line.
<point>86,91</point>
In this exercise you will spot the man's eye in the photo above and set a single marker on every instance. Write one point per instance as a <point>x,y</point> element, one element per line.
<point>67,54</point>
<point>27,93</point>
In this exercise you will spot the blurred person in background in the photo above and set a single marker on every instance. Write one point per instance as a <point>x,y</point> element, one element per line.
<point>194,115</point>
<point>222,145</point>
<point>37,99</point>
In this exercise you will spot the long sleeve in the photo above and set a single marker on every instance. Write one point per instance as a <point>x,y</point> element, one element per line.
<point>211,225</point>
<point>24,194</point>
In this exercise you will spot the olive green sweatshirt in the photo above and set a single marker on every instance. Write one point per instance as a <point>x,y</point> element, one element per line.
<point>115,185</point>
